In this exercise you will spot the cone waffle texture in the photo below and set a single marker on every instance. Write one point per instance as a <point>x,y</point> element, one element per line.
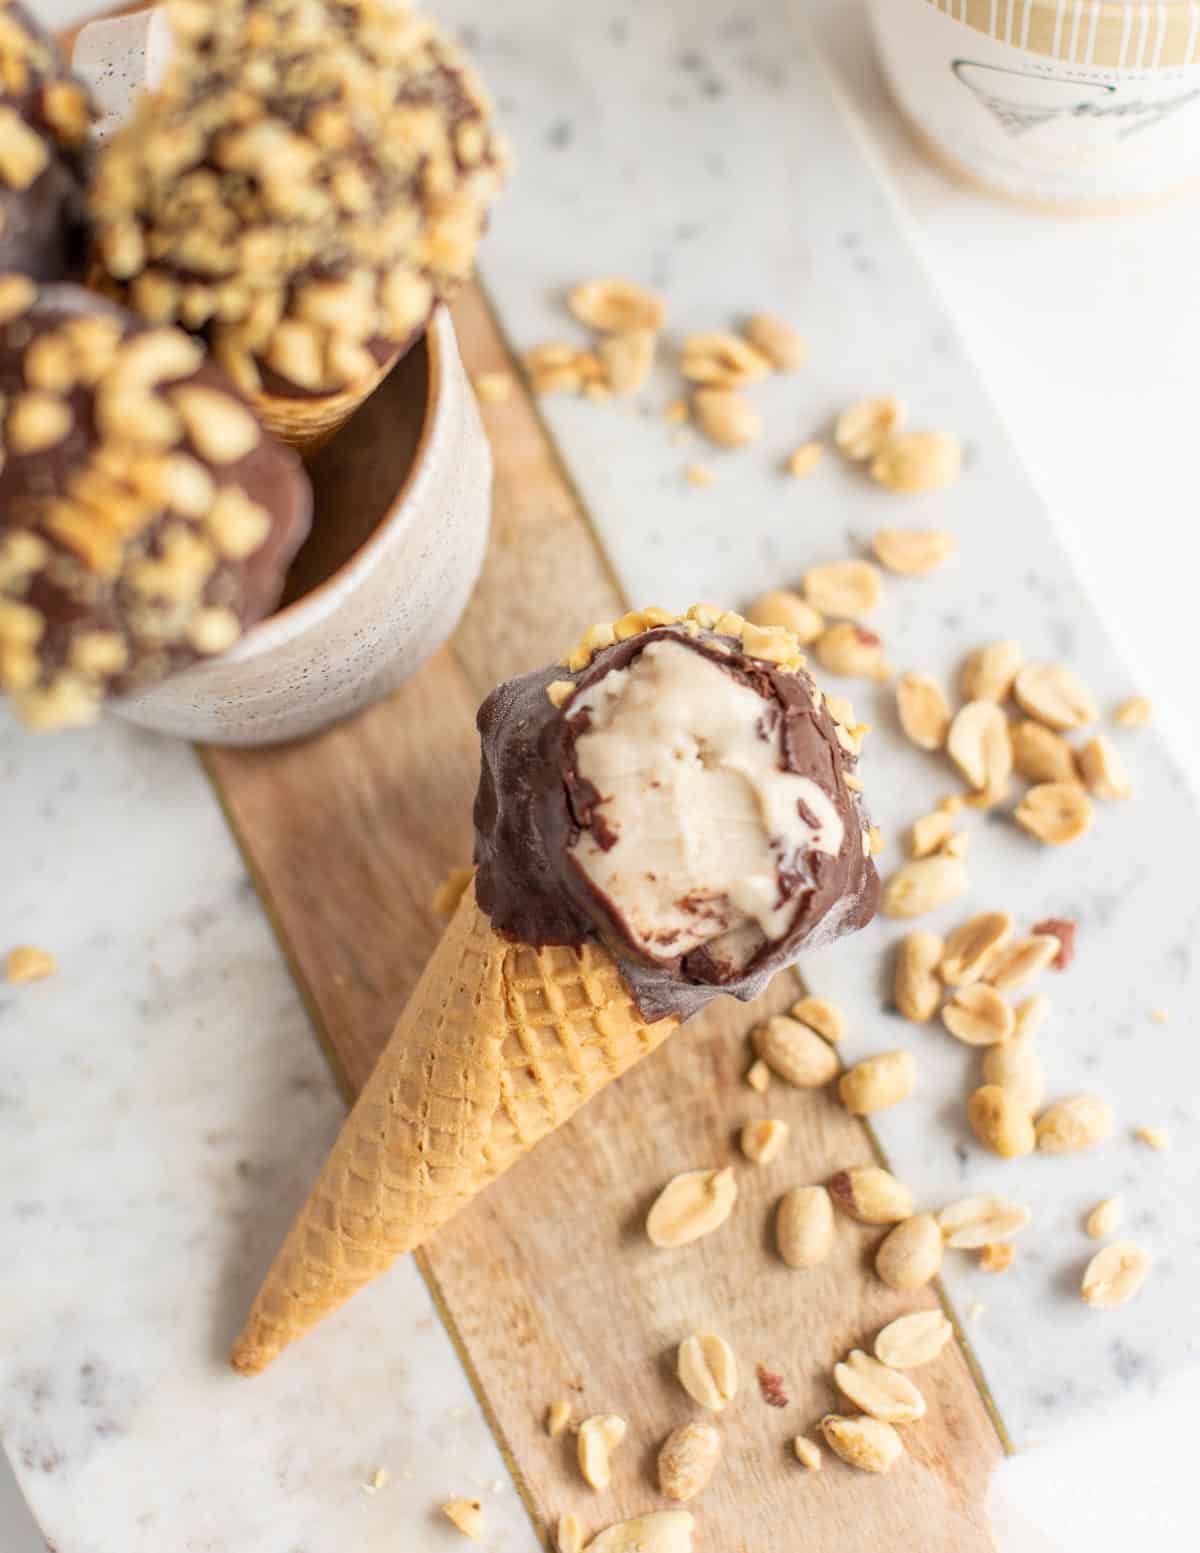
<point>308,424</point>
<point>498,1046</point>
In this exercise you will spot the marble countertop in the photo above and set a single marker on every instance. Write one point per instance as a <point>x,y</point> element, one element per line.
<point>1081,342</point>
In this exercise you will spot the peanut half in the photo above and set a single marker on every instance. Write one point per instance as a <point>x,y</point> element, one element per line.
<point>844,589</point>
<point>923,710</point>
<point>913,552</point>
<point>973,946</point>
<point>667,1531</point>
<point>1055,696</point>
<point>1115,1275</point>
<point>878,1390</point>
<point>599,1436</point>
<point>691,1206</point>
<point>979,1016</point>
<point>866,1443</point>
<point>1073,1125</point>
<point>988,673</point>
<point>913,1340</point>
<point>974,1222</point>
<point>916,986</point>
<point>922,885</point>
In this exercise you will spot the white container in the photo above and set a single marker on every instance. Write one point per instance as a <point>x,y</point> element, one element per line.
<point>373,622</point>
<point>1080,105</point>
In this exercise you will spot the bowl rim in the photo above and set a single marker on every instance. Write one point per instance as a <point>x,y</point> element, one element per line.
<point>312,607</point>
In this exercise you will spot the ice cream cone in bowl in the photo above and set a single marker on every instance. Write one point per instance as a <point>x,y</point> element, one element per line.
<point>662,817</point>
<point>305,185</point>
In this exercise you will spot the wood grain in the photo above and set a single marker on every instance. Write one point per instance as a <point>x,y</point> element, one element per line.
<point>347,835</point>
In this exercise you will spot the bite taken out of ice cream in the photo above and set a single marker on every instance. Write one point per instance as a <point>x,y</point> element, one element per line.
<point>669,814</point>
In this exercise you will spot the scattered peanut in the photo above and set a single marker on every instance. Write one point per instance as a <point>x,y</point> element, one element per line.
<point>762,1141</point>
<point>844,589</point>
<point>599,1436</point>
<point>1104,1218</point>
<point>878,1082</point>
<point>725,417</point>
<point>1041,755</point>
<point>923,710</point>
<point>997,1257</point>
<point>558,1416</point>
<point>667,1531</point>
<point>1115,1275</point>
<point>918,461</point>
<point>973,946</point>
<point>612,306</point>
<point>1103,770</point>
<point>27,963</point>
<point>910,1255</point>
<point>467,1515</point>
<point>691,1206</point>
<point>871,1195</point>
<point>913,1340</point>
<point>789,611</point>
<point>1014,1066</point>
<point>979,1016</point>
<point>804,460</point>
<point>913,552</point>
<point>916,987</point>
<point>1055,696</point>
<point>923,884</point>
<point>804,1226</point>
<point>1136,712</point>
<point>1055,813</point>
<point>865,1443</point>
<point>783,346</point>
<point>1001,1122</point>
<point>1073,1125</point>
<point>878,1390</point>
<point>979,745</point>
<point>931,833</point>
<point>974,1222</point>
<point>807,1453</point>
<point>687,1460</point>
<point>988,673</point>
<point>864,427</point>
<point>820,1015</point>
<point>794,1052</point>
<point>852,651</point>
<point>707,1370</point>
<point>1021,961</point>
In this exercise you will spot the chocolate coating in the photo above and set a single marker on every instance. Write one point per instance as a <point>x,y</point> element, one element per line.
<point>532,805</point>
<point>141,529</point>
<point>306,186</point>
<point>45,119</point>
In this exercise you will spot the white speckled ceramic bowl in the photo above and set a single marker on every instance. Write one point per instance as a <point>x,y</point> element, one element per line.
<point>404,493</point>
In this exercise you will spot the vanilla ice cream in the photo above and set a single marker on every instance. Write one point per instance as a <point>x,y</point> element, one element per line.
<point>697,824</point>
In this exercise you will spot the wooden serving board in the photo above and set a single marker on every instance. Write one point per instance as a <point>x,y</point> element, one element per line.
<point>547,1283</point>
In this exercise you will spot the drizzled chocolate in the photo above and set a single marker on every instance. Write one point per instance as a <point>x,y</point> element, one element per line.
<point>533,806</point>
<point>45,119</point>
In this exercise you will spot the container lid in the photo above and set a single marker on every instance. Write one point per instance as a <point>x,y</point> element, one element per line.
<point>1110,34</point>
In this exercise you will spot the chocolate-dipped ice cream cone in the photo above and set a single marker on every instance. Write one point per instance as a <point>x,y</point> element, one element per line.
<point>45,118</point>
<point>146,520</point>
<point>663,818</point>
<point>311,179</point>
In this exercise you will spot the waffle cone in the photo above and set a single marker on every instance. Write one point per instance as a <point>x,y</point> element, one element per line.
<point>499,1045</point>
<point>308,424</point>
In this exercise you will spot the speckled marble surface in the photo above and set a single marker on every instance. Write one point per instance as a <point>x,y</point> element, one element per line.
<point>114,1403</point>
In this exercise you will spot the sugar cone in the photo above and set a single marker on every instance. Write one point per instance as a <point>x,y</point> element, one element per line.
<point>308,424</point>
<point>499,1045</point>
